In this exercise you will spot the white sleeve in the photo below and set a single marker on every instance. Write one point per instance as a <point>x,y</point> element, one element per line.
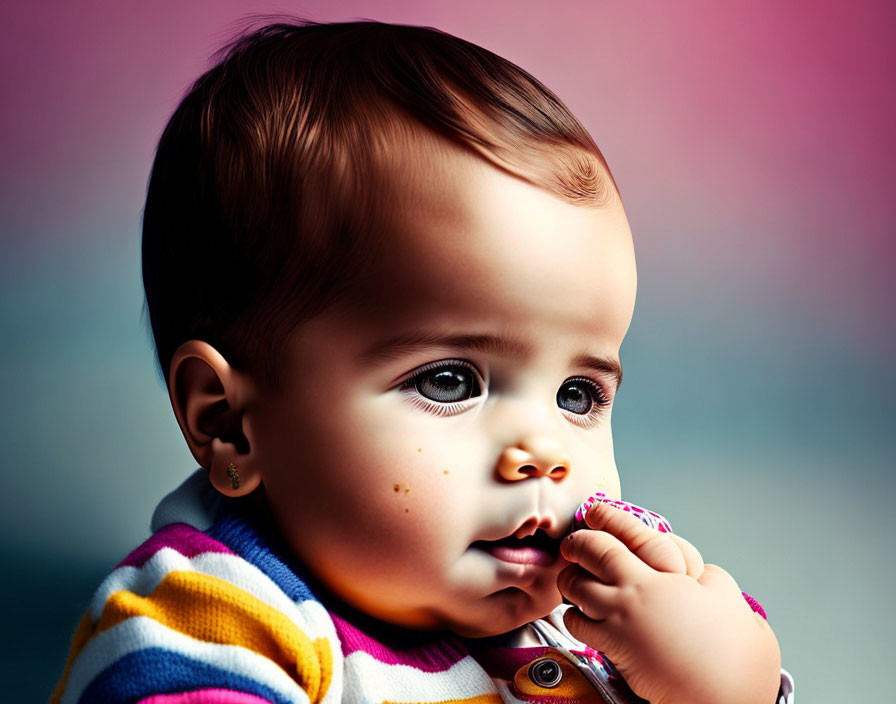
<point>785,692</point>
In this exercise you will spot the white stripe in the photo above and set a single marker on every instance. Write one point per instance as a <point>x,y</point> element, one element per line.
<point>786,689</point>
<point>195,502</point>
<point>369,680</point>
<point>140,632</point>
<point>309,616</point>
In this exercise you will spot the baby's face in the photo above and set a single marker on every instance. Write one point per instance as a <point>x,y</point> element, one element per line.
<point>459,402</point>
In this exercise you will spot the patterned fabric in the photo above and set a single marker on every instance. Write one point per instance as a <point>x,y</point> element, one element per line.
<point>213,610</point>
<point>646,516</point>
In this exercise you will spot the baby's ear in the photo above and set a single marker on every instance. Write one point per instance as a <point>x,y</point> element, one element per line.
<point>208,398</point>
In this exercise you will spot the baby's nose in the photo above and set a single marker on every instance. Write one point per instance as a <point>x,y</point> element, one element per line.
<point>534,456</point>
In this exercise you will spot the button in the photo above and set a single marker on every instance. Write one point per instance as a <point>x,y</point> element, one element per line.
<point>545,672</point>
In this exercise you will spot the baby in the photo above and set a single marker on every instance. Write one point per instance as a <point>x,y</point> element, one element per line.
<point>388,276</point>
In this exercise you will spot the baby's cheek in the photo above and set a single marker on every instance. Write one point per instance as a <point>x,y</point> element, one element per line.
<point>611,481</point>
<point>604,479</point>
<point>401,491</point>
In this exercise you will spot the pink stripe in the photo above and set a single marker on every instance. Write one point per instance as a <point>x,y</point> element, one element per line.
<point>178,536</point>
<point>755,605</point>
<point>434,656</point>
<point>205,696</point>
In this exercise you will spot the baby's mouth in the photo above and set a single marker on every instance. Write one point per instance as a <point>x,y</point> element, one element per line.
<point>536,549</point>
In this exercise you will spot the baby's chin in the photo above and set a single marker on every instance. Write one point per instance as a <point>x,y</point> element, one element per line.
<point>501,613</point>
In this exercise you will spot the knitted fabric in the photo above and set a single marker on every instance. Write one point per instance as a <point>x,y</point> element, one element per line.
<point>213,609</point>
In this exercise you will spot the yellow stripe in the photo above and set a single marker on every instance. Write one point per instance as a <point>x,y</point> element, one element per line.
<point>479,699</point>
<point>324,652</point>
<point>82,634</point>
<point>213,610</point>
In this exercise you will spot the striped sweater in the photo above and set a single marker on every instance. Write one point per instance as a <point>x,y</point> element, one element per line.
<point>212,609</point>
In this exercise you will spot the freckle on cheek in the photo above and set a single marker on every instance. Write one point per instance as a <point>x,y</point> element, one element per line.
<point>445,471</point>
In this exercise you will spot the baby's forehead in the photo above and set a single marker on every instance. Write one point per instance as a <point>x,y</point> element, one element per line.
<point>413,155</point>
<point>418,170</point>
<point>457,239</point>
<point>424,175</point>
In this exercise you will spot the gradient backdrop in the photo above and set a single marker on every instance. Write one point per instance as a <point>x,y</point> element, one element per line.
<point>753,143</point>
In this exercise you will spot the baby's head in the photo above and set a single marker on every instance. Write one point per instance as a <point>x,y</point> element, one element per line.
<point>388,276</point>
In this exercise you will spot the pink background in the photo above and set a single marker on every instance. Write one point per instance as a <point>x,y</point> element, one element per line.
<point>753,143</point>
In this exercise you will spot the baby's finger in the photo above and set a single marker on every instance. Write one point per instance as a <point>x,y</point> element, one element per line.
<point>593,597</point>
<point>692,557</point>
<point>590,631</point>
<point>714,577</point>
<point>601,554</point>
<point>654,548</point>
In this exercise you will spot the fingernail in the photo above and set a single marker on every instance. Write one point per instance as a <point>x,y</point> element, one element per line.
<point>578,520</point>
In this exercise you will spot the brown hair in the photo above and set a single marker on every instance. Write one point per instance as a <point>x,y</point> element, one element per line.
<point>255,212</point>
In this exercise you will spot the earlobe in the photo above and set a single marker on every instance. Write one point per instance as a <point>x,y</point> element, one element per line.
<point>231,478</point>
<point>208,397</point>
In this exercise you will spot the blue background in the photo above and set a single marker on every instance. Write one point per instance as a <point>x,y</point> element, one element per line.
<point>753,144</point>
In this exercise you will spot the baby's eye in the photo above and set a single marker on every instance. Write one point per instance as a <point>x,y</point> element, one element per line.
<point>448,382</point>
<point>581,396</point>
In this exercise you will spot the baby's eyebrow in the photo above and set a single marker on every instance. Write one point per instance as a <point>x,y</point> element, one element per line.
<point>602,365</point>
<point>397,347</point>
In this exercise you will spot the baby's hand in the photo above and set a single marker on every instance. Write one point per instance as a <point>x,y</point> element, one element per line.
<point>679,632</point>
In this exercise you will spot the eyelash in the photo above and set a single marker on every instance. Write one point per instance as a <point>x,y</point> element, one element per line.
<point>450,408</point>
<point>600,398</point>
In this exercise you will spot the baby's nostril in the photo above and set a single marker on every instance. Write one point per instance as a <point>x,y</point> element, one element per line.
<point>557,471</point>
<point>528,469</point>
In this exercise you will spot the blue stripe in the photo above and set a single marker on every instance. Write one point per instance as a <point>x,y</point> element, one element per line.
<point>158,671</point>
<point>240,533</point>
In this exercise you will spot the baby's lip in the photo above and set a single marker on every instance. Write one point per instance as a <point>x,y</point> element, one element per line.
<point>538,548</point>
<point>535,541</point>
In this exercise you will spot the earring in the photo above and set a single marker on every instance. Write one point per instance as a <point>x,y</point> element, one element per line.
<point>234,473</point>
